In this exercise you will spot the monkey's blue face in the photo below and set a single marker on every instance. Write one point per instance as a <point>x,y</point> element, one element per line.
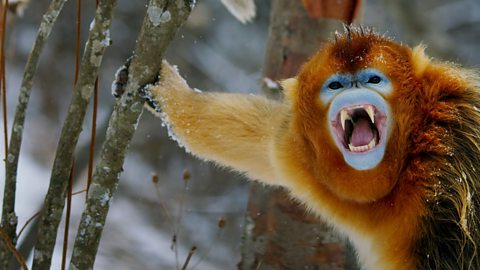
<point>359,115</point>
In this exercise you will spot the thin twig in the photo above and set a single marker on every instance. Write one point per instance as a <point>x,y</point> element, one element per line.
<point>79,192</point>
<point>3,72</point>
<point>155,35</point>
<point>78,21</point>
<point>258,265</point>
<point>189,256</point>
<point>96,44</point>
<point>8,210</point>
<point>28,222</point>
<point>164,209</point>
<point>12,249</point>
<point>178,223</point>
<point>67,218</point>
<point>9,224</point>
<point>221,226</point>
<point>27,242</point>
<point>36,214</point>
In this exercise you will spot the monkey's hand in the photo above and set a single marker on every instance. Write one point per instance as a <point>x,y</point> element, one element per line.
<point>234,130</point>
<point>121,79</point>
<point>169,79</point>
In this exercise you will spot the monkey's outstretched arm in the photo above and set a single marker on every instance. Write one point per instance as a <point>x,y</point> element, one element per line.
<point>232,129</point>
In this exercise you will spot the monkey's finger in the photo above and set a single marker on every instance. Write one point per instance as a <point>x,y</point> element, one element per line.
<point>243,10</point>
<point>170,78</point>
<point>169,86</point>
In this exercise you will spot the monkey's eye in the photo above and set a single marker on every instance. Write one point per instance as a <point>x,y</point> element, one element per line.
<point>335,85</point>
<point>374,79</point>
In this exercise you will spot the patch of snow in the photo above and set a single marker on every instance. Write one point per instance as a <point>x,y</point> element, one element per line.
<point>157,16</point>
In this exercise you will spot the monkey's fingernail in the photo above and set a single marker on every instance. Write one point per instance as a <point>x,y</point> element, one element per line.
<point>370,113</point>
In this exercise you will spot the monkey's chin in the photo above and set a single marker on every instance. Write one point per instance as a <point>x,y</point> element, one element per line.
<point>365,160</point>
<point>359,121</point>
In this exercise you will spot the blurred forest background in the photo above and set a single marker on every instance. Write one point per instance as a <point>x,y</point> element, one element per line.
<point>214,52</point>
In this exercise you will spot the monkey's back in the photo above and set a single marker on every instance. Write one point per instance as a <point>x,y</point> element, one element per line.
<point>448,146</point>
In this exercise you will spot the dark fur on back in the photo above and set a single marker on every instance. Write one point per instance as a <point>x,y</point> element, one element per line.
<point>450,236</point>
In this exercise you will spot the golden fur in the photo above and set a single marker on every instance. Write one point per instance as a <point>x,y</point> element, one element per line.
<point>415,210</point>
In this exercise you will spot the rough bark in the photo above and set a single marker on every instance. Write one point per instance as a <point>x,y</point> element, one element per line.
<point>161,22</point>
<point>9,218</point>
<point>279,234</point>
<point>25,247</point>
<point>54,203</point>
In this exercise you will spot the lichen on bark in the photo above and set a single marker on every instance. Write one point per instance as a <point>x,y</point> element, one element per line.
<point>55,199</point>
<point>153,39</point>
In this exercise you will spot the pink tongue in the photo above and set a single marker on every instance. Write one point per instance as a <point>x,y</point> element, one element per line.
<point>362,133</point>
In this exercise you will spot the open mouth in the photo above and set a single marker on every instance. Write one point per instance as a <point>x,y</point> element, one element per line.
<point>360,127</point>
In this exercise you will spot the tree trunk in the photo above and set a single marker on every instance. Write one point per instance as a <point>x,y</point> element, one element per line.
<point>279,234</point>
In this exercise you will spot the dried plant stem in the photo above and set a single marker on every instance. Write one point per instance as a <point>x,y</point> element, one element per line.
<point>189,257</point>
<point>11,247</point>
<point>8,225</point>
<point>79,192</point>
<point>25,246</point>
<point>9,218</point>
<point>35,215</point>
<point>178,221</point>
<point>78,21</point>
<point>51,215</point>
<point>206,253</point>
<point>3,71</point>
<point>67,217</point>
<point>155,35</point>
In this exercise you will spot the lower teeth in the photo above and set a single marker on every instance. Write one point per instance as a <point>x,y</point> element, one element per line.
<point>363,148</point>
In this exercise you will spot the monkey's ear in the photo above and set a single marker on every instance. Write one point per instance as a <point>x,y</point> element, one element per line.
<point>290,88</point>
<point>420,60</point>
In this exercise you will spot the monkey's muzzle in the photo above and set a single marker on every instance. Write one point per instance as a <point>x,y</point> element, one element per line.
<point>359,125</point>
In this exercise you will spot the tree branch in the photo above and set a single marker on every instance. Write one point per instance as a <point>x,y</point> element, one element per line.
<point>161,22</point>
<point>97,42</point>
<point>25,246</point>
<point>12,248</point>
<point>9,218</point>
<point>293,36</point>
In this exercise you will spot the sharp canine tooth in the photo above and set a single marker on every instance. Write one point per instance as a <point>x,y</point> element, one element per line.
<point>343,117</point>
<point>370,113</point>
